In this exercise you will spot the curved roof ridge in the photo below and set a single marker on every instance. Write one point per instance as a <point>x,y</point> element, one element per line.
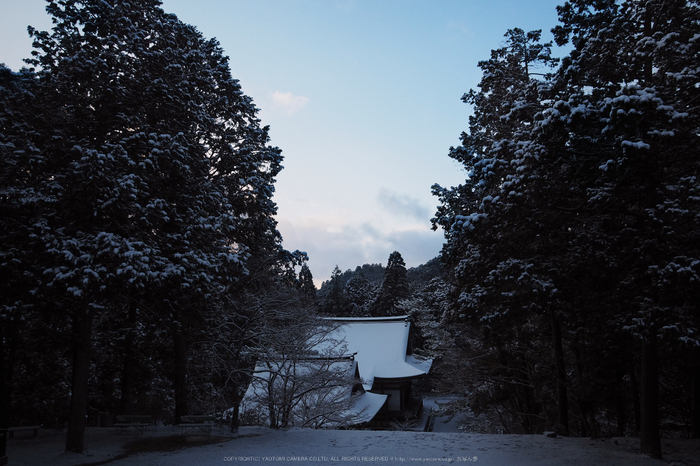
<point>367,319</point>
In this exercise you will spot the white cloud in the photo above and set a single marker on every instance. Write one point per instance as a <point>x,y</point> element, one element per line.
<point>461,27</point>
<point>332,241</point>
<point>288,102</point>
<point>403,205</point>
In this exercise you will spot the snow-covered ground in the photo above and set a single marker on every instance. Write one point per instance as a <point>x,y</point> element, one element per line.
<point>257,445</point>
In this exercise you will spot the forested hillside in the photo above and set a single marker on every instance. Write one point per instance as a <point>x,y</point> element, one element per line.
<point>356,292</point>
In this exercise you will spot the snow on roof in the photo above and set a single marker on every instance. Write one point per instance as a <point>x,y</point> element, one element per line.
<point>366,406</point>
<point>380,345</point>
<point>320,387</point>
<point>318,391</point>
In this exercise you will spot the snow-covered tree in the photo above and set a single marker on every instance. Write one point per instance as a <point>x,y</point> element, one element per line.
<point>394,287</point>
<point>359,294</point>
<point>333,301</point>
<point>303,376</point>
<point>152,176</point>
<point>579,216</point>
<point>631,87</point>
<point>307,286</point>
<point>499,225</point>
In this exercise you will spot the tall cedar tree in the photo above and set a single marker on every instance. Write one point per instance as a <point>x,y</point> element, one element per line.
<point>394,287</point>
<point>630,101</point>
<point>20,219</point>
<point>152,177</point>
<point>333,302</point>
<point>359,292</point>
<point>499,224</point>
<point>608,154</point>
<point>307,287</point>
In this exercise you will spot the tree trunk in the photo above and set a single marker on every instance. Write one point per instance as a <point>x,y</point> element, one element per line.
<point>582,396</point>
<point>695,394</point>
<point>125,402</point>
<point>650,434</point>
<point>180,375</point>
<point>635,398</point>
<point>82,333</point>
<point>620,405</point>
<point>562,394</point>
<point>235,422</point>
<point>648,32</point>
<point>5,383</point>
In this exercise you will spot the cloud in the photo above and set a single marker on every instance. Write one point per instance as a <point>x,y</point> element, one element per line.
<point>288,102</point>
<point>402,205</point>
<point>331,242</point>
<point>461,27</point>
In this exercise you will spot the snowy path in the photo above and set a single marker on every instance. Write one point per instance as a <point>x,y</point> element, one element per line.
<point>260,446</point>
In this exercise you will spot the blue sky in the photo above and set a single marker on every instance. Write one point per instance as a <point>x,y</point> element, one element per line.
<point>363,98</point>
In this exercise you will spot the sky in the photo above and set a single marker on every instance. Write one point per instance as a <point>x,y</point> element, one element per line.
<point>363,98</point>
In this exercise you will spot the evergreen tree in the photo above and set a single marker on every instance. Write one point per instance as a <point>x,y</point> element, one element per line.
<point>18,204</point>
<point>394,287</point>
<point>359,294</point>
<point>152,179</point>
<point>500,225</point>
<point>632,103</point>
<point>333,301</point>
<point>307,287</point>
<point>579,216</point>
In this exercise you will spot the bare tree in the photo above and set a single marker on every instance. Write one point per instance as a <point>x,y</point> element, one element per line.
<point>303,376</point>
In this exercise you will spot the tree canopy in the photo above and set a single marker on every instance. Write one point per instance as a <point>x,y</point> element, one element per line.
<point>394,287</point>
<point>137,185</point>
<point>577,225</point>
